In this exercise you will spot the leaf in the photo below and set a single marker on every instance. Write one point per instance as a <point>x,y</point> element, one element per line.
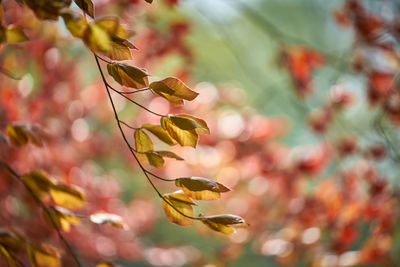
<point>168,154</point>
<point>203,125</point>
<point>8,256</point>
<point>97,39</point>
<point>11,240</point>
<point>174,90</point>
<point>106,264</point>
<point>149,1</point>
<point>75,23</point>
<point>120,49</point>
<point>142,141</point>
<point>38,182</point>
<point>59,218</point>
<point>108,218</point>
<point>43,255</point>
<point>160,133</point>
<point>113,27</point>
<point>153,158</point>
<point>223,223</point>
<point>86,6</point>
<point>47,9</point>
<point>129,76</point>
<point>201,188</point>
<point>183,204</point>
<point>67,196</point>
<point>15,35</point>
<point>182,136</point>
<point>17,135</point>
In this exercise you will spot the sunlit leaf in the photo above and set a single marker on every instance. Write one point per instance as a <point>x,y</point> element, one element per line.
<point>183,204</point>
<point>129,76</point>
<point>43,255</point>
<point>154,159</point>
<point>8,256</point>
<point>15,35</point>
<point>67,196</point>
<point>203,125</point>
<point>75,23</point>
<point>201,188</point>
<point>120,49</point>
<point>113,27</point>
<point>59,218</point>
<point>160,133</point>
<point>168,154</point>
<point>97,39</point>
<point>174,90</point>
<point>86,6</point>
<point>223,223</point>
<point>106,264</point>
<point>108,218</point>
<point>38,182</point>
<point>142,141</point>
<point>182,136</point>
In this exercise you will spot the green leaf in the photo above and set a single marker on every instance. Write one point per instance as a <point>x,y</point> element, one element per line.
<point>201,188</point>
<point>129,76</point>
<point>174,90</point>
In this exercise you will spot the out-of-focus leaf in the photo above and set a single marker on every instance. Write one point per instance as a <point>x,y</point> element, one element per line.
<point>106,264</point>
<point>168,154</point>
<point>11,240</point>
<point>38,182</point>
<point>67,196</point>
<point>8,256</point>
<point>47,9</point>
<point>142,141</point>
<point>149,1</point>
<point>97,39</point>
<point>113,26</point>
<point>201,188</point>
<point>129,76</point>
<point>75,22</point>
<point>15,35</point>
<point>183,204</point>
<point>43,255</point>
<point>86,6</point>
<point>160,133</point>
<point>108,218</point>
<point>59,218</point>
<point>174,90</point>
<point>17,135</point>
<point>223,223</point>
<point>183,136</point>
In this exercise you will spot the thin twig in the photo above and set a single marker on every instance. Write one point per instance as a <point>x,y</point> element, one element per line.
<point>127,125</point>
<point>145,172</point>
<point>45,209</point>
<point>136,91</point>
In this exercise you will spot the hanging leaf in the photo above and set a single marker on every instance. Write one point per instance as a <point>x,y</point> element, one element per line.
<point>15,35</point>
<point>8,256</point>
<point>160,133</point>
<point>67,196</point>
<point>143,142</point>
<point>59,218</point>
<point>223,223</point>
<point>47,9</point>
<point>75,22</point>
<point>108,218</point>
<point>106,264</point>
<point>113,27</point>
<point>43,255</point>
<point>17,135</point>
<point>97,39</point>
<point>120,49</point>
<point>155,158</point>
<point>168,154</point>
<point>128,75</point>
<point>201,188</point>
<point>86,6</point>
<point>11,240</point>
<point>183,204</point>
<point>182,136</point>
<point>38,182</point>
<point>203,125</point>
<point>174,90</point>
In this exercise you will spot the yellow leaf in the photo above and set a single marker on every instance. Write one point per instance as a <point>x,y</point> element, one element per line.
<point>203,125</point>
<point>106,264</point>
<point>223,223</point>
<point>86,6</point>
<point>38,182</point>
<point>43,255</point>
<point>11,240</point>
<point>17,135</point>
<point>142,141</point>
<point>113,26</point>
<point>160,133</point>
<point>97,39</point>
<point>168,154</point>
<point>183,204</point>
<point>67,196</point>
<point>128,75</point>
<point>108,218</point>
<point>75,23</point>
<point>154,159</point>
<point>201,188</point>
<point>59,218</point>
<point>182,136</point>
<point>174,90</point>
<point>120,49</point>
<point>15,35</point>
